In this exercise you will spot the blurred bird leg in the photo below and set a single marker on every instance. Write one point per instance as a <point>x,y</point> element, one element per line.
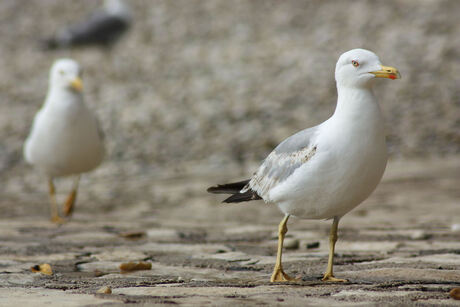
<point>329,276</point>
<point>70,202</point>
<point>278,273</point>
<point>55,218</point>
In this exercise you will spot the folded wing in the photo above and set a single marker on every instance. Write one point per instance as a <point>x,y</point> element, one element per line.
<point>282,162</point>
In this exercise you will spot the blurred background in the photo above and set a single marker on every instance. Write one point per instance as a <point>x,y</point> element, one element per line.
<point>208,88</point>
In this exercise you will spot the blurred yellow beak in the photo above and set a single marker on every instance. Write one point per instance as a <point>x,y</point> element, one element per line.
<point>77,84</point>
<point>387,72</point>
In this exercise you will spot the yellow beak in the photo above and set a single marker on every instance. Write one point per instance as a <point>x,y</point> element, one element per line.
<point>387,72</point>
<point>77,84</point>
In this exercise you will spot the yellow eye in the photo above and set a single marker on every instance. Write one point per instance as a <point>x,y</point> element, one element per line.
<point>355,63</point>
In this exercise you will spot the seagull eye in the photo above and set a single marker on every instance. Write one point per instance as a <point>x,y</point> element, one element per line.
<point>61,72</point>
<point>355,63</point>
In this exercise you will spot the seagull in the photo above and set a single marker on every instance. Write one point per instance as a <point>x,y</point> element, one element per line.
<point>325,171</point>
<point>103,27</point>
<point>65,139</point>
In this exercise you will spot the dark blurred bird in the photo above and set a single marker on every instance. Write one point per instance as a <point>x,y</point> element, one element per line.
<point>103,27</point>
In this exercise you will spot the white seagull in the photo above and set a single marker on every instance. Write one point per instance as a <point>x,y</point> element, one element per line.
<point>325,171</point>
<point>65,138</point>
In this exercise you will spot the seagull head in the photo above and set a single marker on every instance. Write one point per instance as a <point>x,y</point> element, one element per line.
<point>66,74</point>
<point>358,67</point>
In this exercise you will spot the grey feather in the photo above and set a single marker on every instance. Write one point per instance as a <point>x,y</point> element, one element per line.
<point>282,162</point>
<point>297,141</point>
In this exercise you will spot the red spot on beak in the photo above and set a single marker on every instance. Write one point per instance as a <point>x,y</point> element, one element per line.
<point>392,77</point>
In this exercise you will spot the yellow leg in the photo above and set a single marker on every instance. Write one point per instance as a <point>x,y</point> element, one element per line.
<point>70,202</point>
<point>278,273</point>
<point>329,276</point>
<point>55,218</point>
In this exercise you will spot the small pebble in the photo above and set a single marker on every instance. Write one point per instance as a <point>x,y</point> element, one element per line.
<point>135,266</point>
<point>105,290</point>
<point>455,293</point>
<point>419,235</point>
<point>44,268</point>
<point>98,273</point>
<point>291,244</point>
<point>312,245</point>
<point>133,235</point>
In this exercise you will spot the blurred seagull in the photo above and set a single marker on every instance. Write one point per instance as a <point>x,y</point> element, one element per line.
<point>65,138</point>
<point>103,27</point>
<point>325,171</point>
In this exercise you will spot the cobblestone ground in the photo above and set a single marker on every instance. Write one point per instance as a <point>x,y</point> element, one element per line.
<point>194,94</point>
<point>401,247</point>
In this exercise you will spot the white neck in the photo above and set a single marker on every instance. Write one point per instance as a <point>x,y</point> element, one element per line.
<point>61,98</point>
<point>357,111</point>
<point>356,104</point>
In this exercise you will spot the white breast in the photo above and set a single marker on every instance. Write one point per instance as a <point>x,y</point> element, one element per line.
<point>349,162</point>
<point>64,140</point>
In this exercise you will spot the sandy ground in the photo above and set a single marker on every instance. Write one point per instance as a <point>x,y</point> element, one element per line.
<point>400,247</point>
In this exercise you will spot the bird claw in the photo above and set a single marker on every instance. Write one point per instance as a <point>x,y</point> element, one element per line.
<point>331,278</point>
<point>280,276</point>
<point>58,220</point>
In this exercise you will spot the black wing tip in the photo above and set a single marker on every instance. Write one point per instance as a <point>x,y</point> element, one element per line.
<point>228,188</point>
<point>218,189</point>
<point>212,189</point>
<point>234,189</point>
<point>242,197</point>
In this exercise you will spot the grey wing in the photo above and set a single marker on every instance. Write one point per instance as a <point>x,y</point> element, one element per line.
<point>288,156</point>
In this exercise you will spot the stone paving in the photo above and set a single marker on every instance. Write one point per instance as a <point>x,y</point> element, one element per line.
<point>194,94</point>
<point>401,247</point>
